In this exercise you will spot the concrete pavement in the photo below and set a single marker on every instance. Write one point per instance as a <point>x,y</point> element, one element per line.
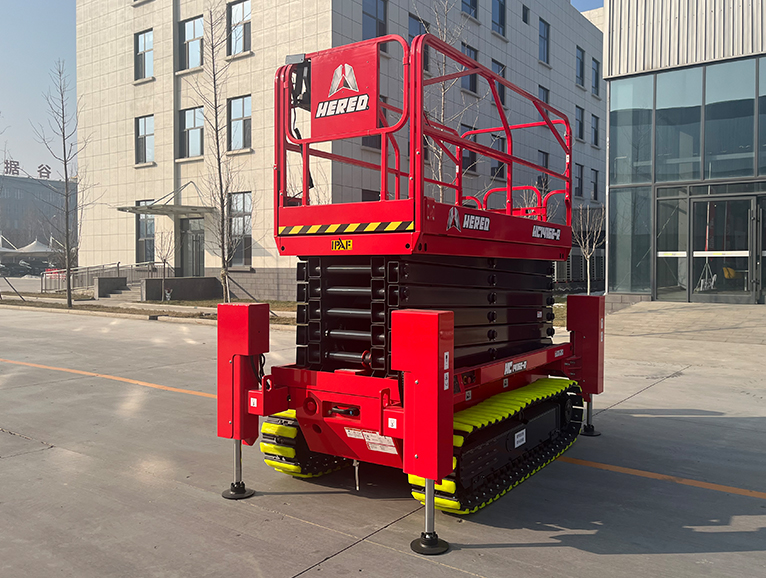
<point>106,478</point>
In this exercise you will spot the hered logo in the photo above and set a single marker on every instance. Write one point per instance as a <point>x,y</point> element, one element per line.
<point>343,77</point>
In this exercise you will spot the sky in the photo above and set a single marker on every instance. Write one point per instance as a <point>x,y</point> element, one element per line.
<point>583,5</point>
<point>33,35</point>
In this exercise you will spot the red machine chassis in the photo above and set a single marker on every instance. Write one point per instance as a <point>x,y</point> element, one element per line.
<point>380,431</point>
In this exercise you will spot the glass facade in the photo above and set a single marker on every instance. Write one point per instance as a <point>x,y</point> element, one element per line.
<point>729,119</point>
<point>630,240</point>
<point>672,247</point>
<point>762,117</point>
<point>679,123</point>
<point>630,130</point>
<point>687,213</point>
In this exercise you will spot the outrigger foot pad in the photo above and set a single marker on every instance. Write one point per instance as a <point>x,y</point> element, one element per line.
<point>429,544</point>
<point>237,491</point>
<point>589,431</point>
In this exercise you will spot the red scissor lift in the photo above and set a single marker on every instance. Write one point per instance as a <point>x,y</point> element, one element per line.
<point>424,325</point>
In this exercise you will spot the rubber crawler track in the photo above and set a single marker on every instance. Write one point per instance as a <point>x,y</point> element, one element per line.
<point>284,448</point>
<point>505,407</point>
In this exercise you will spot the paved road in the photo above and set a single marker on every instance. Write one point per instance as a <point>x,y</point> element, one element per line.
<point>102,478</point>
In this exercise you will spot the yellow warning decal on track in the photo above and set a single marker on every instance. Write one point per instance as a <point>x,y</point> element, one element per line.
<point>341,228</point>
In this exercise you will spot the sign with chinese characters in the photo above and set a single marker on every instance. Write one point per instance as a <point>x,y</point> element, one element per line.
<point>11,167</point>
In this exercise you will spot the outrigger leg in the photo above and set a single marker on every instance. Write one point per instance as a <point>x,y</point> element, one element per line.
<point>238,490</point>
<point>588,429</point>
<point>429,542</point>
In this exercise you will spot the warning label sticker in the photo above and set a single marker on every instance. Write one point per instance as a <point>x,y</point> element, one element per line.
<point>379,443</point>
<point>354,433</point>
<point>375,442</point>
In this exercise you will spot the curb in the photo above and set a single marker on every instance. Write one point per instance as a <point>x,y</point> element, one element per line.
<point>134,316</point>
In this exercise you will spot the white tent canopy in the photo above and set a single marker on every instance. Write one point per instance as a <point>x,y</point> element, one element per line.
<point>35,249</point>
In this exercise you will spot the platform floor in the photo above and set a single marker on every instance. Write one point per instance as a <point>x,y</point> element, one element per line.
<point>103,477</point>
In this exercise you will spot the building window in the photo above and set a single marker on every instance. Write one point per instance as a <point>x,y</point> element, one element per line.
<point>144,235</point>
<point>239,123</point>
<point>630,240</point>
<point>729,119</point>
<point>544,94</point>
<point>679,120</point>
<point>498,167</point>
<point>470,7</point>
<point>191,40</point>
<point>417,26</point>
<point>498,16</point>
<point>596,80</point>
<point>374,141</point>
<point>542,179</point>
<point>239,27</point>
<point>762,116</point>
<point>469,82</point>
<point>374,20</point>
<point>499,69</point>
<point>578,176</point>
<point>594,184</point>
<point>579,123</point>
<point>544,42</point>
<point>145,139</point>
<point>240,214</point>
<point>594,140</point>
<point>630,130</point>
<point>369,195</point>
<point>192,128</point>
<point>525,14</point>
<point>580,67</point>
<point>469,156</point>
<point>144,54</point>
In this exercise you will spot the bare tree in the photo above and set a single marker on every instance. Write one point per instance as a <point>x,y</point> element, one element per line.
<point>164,248</point>
<point>221,178</point>
<point>440,107</point>
<point>588,225</point>
<point>60,138</point>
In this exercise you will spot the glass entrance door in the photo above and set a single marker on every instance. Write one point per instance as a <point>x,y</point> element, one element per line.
<point>193,247</point>
<point>724,244</point>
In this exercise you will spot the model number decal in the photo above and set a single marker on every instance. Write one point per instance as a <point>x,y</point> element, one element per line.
<point>520,438</point>
<point>341,245</point>
<point>550,233</point>
<point>511,367</point>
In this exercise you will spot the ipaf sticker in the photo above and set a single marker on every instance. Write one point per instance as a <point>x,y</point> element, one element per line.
<point>341,245</point>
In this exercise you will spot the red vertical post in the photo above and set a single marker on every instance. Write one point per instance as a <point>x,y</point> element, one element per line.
<point>585,319</point>
<point>243,335</point>
<point>422,344</point>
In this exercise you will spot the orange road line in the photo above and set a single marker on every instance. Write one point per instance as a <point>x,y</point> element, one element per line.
<point>674,479</point>
<point>596,465</point>
<point>112,377</point>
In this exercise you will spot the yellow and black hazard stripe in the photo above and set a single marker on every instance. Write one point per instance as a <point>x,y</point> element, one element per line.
<point>346,228</point>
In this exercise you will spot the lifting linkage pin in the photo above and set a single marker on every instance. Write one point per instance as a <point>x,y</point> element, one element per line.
<point>588,429</point>
<point>429,542</point>
<point>237,491</point>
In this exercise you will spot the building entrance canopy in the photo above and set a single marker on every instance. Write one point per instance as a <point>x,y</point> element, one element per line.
<point>162,206</point>
<point>173,211</point>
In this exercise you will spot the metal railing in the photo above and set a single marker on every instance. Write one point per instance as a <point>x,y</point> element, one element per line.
<point>84,277</point>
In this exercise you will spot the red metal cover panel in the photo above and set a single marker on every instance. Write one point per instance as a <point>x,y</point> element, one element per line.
<point>422,344</point>
<point>345,91</point>
<point>243,330</point>
<point>585,319</point>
